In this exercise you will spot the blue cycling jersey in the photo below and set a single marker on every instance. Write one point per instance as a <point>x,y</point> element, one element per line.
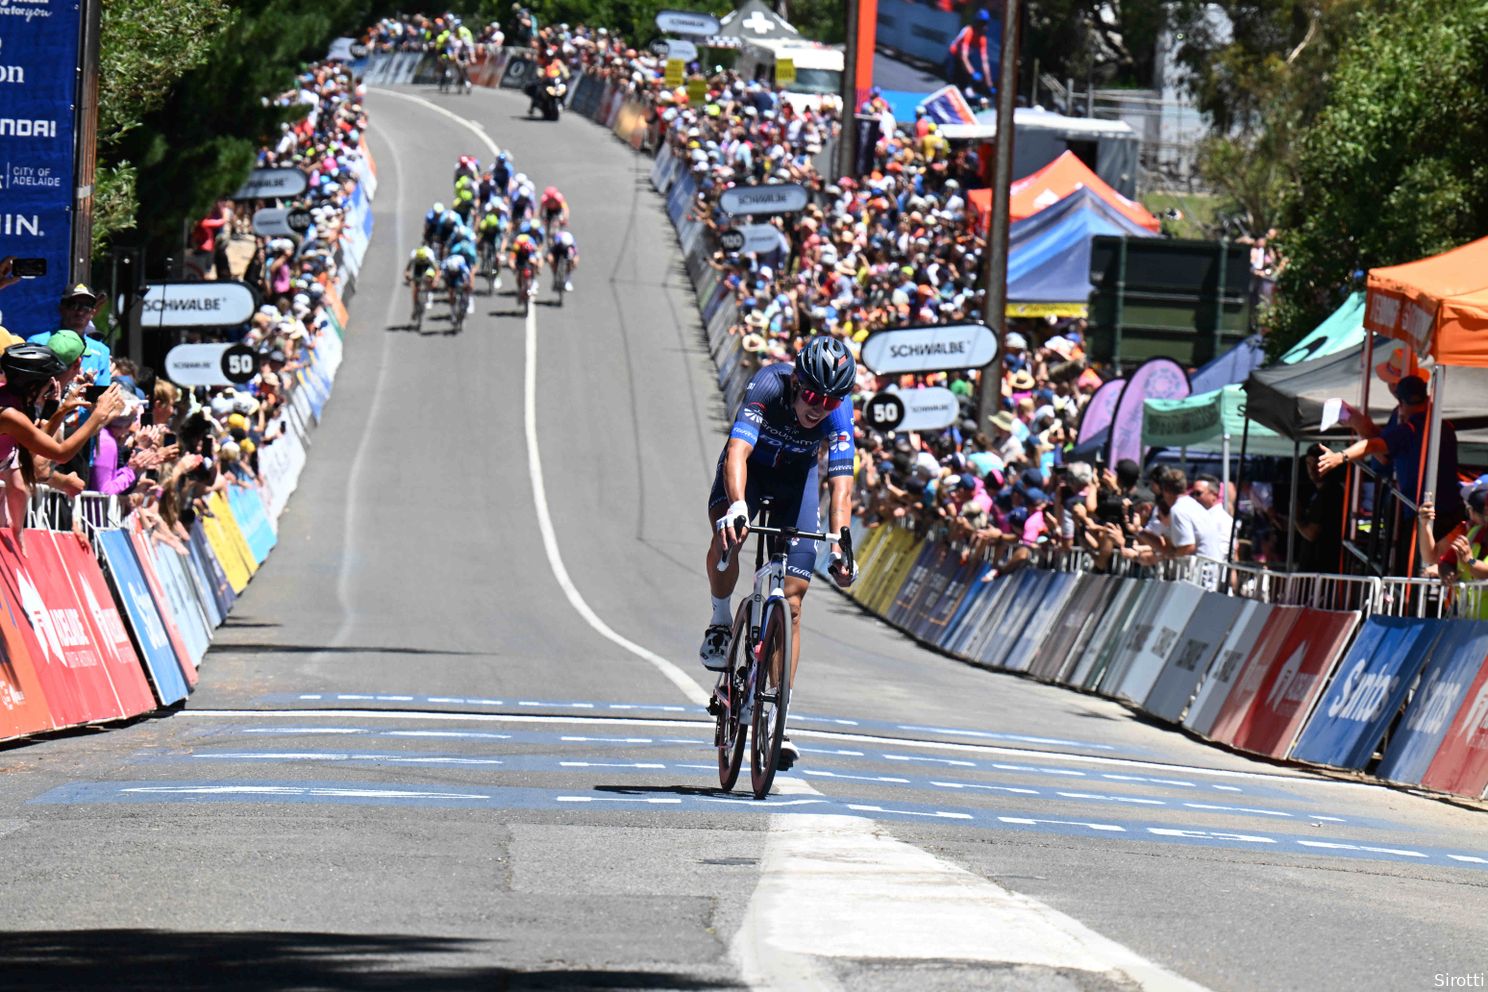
<point>464,248</point>
<point>456,265</point>
<point>767,420</point>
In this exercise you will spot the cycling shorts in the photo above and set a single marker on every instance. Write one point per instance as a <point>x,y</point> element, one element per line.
<point>794,503</point>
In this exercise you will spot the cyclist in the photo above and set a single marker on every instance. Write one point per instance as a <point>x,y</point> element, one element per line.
<point>501,173</point>
<point>488,238</point>
<point>554,208</point>
<point>462,242</point>
<point>466,169</point>
<point>422,269</point>
<point>789,412</point>
<point>521,198</point>
<point>458,274</point>
<point>464,205</point>
<point>526,251</point>
<point>432,220</point>
<point>488,189</point>
<point>444,229</point>
<point>564,248</point>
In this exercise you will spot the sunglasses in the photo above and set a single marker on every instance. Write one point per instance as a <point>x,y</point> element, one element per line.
<point>813,398</point>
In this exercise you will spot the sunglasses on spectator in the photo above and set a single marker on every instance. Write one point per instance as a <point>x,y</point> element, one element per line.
<point>813,398</point>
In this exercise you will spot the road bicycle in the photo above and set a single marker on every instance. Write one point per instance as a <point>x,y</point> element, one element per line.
<point>458,308</point>
<point>421,301</point>
<point>525,274</point>
<point>560,278</point>
<point>490,266</point>
<point>752,696</point>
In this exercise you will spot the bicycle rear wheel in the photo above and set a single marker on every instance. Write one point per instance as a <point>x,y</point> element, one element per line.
<point>771,700</point>
<point>730,732</point>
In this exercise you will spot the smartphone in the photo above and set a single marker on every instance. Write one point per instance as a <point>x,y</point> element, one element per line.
<point>206,448</point>
<point>29,268</point>
<point>168,440</point>
<point>93,392</point>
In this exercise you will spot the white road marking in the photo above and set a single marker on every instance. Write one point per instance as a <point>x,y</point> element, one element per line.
<point>1211,808</point>
<point>294,790</point>
<point>1100,797</point>
<point>1015,790</point>
<point>1209,835</point>
<point>1031,821</point>
<point>940,814</point>
<point>1335,846</point>
<point>937,761</point>
<point>397,759</point>
<point>645,800</point>
<point>609,764</point>
<point>1470,859</point>
<point>830,750</point>
<point>609,740</point>
<point>869,895</point>
<point>854,778</point>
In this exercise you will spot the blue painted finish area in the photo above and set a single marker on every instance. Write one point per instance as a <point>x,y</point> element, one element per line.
<point>446,796</point>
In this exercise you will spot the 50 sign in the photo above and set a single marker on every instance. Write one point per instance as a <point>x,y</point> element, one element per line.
<point>211,364</point>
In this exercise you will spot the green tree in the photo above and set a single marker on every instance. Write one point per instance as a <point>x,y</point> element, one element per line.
<point>1393,168</point>
<point>200,140</point>
<point>144,47</point>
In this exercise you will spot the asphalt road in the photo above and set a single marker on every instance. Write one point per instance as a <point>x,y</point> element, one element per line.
<point>451,738</point>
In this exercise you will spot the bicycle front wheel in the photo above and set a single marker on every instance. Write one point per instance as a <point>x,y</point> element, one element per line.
<point>731,728</point>
<point>771,700</point>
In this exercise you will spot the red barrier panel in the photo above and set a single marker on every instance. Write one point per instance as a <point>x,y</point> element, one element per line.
<point>77,685</point>
<point>102,615</point>
<point>1257,661</point>
<point>1287,681</point>
<point>163,604</point>
<point>1461,763</point>
<point>23,703</point>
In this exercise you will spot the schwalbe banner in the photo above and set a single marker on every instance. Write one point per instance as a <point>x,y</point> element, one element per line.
<point>38,72</point>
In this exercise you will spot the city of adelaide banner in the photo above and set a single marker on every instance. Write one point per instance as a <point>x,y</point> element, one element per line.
<point>38,93</point>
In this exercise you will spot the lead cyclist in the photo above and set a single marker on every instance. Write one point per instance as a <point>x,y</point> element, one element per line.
<point>788,413</point>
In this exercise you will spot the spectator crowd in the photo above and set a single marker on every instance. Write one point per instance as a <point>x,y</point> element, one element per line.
<point>79,419</point>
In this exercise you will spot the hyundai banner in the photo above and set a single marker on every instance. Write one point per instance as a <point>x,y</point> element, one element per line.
<point>38,77</point>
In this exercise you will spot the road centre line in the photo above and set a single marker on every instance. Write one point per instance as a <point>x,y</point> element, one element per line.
<point>694,692</point>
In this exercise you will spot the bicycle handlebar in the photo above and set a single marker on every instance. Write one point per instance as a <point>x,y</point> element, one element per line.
<point>844,539</point>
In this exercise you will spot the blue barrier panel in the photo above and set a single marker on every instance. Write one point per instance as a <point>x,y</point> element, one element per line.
<point>938,586</point>
<point>201,586</point>
<point>1450,669</point>
<point>181,603</point>
<point>150,637</point>
<point>916,583</point>
<point>1019,599</point>
<point>1367,692</point>
<point>1116,654</point>
<point>248,507</point>
<point>973,626</point>
<point>220,588</point>
<point>1097,594</point>
<point>976,588</point>
<point>1107,634</point>
<point>957,588</point>
<point>1053,593</point>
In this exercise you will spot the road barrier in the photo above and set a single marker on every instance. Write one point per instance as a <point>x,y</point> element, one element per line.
<point>1343,672</point>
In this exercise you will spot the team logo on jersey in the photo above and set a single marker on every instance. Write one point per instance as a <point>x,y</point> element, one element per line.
<point>842,442</point>
<point>754,413</point>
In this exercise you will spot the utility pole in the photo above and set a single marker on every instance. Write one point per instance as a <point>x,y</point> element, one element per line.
<point>994,281</point>
<point>847,139</point>
<point>85,147</point>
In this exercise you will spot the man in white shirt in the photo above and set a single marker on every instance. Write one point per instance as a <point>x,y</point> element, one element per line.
<point>1189,530</point>
<point>1207,490</point>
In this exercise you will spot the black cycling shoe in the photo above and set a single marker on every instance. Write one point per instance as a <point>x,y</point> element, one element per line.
<point>714,652</point>
<point>789,755</point>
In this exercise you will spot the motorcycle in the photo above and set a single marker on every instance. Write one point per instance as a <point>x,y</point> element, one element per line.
<point>550,98</point>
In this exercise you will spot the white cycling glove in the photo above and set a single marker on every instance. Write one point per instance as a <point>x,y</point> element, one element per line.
<point>837,559</point>
<point>738,508</point>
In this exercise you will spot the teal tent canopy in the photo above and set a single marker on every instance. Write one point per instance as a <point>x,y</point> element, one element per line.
<point>1200,422</point>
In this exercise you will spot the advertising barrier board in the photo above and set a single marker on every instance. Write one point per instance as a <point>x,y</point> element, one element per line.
<point>150,637</point>
<point>1461,762</point>
<point>1213,618</point>
<point>1367,692</point>
<point>1459,651</point>
<point>146,566</point>
<point>101,614</point>
<point>23,703</point>
<point>1147,660</point>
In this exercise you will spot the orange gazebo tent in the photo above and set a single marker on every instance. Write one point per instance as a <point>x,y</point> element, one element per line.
<point>1054,182</point>
<point>1437,305</point>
